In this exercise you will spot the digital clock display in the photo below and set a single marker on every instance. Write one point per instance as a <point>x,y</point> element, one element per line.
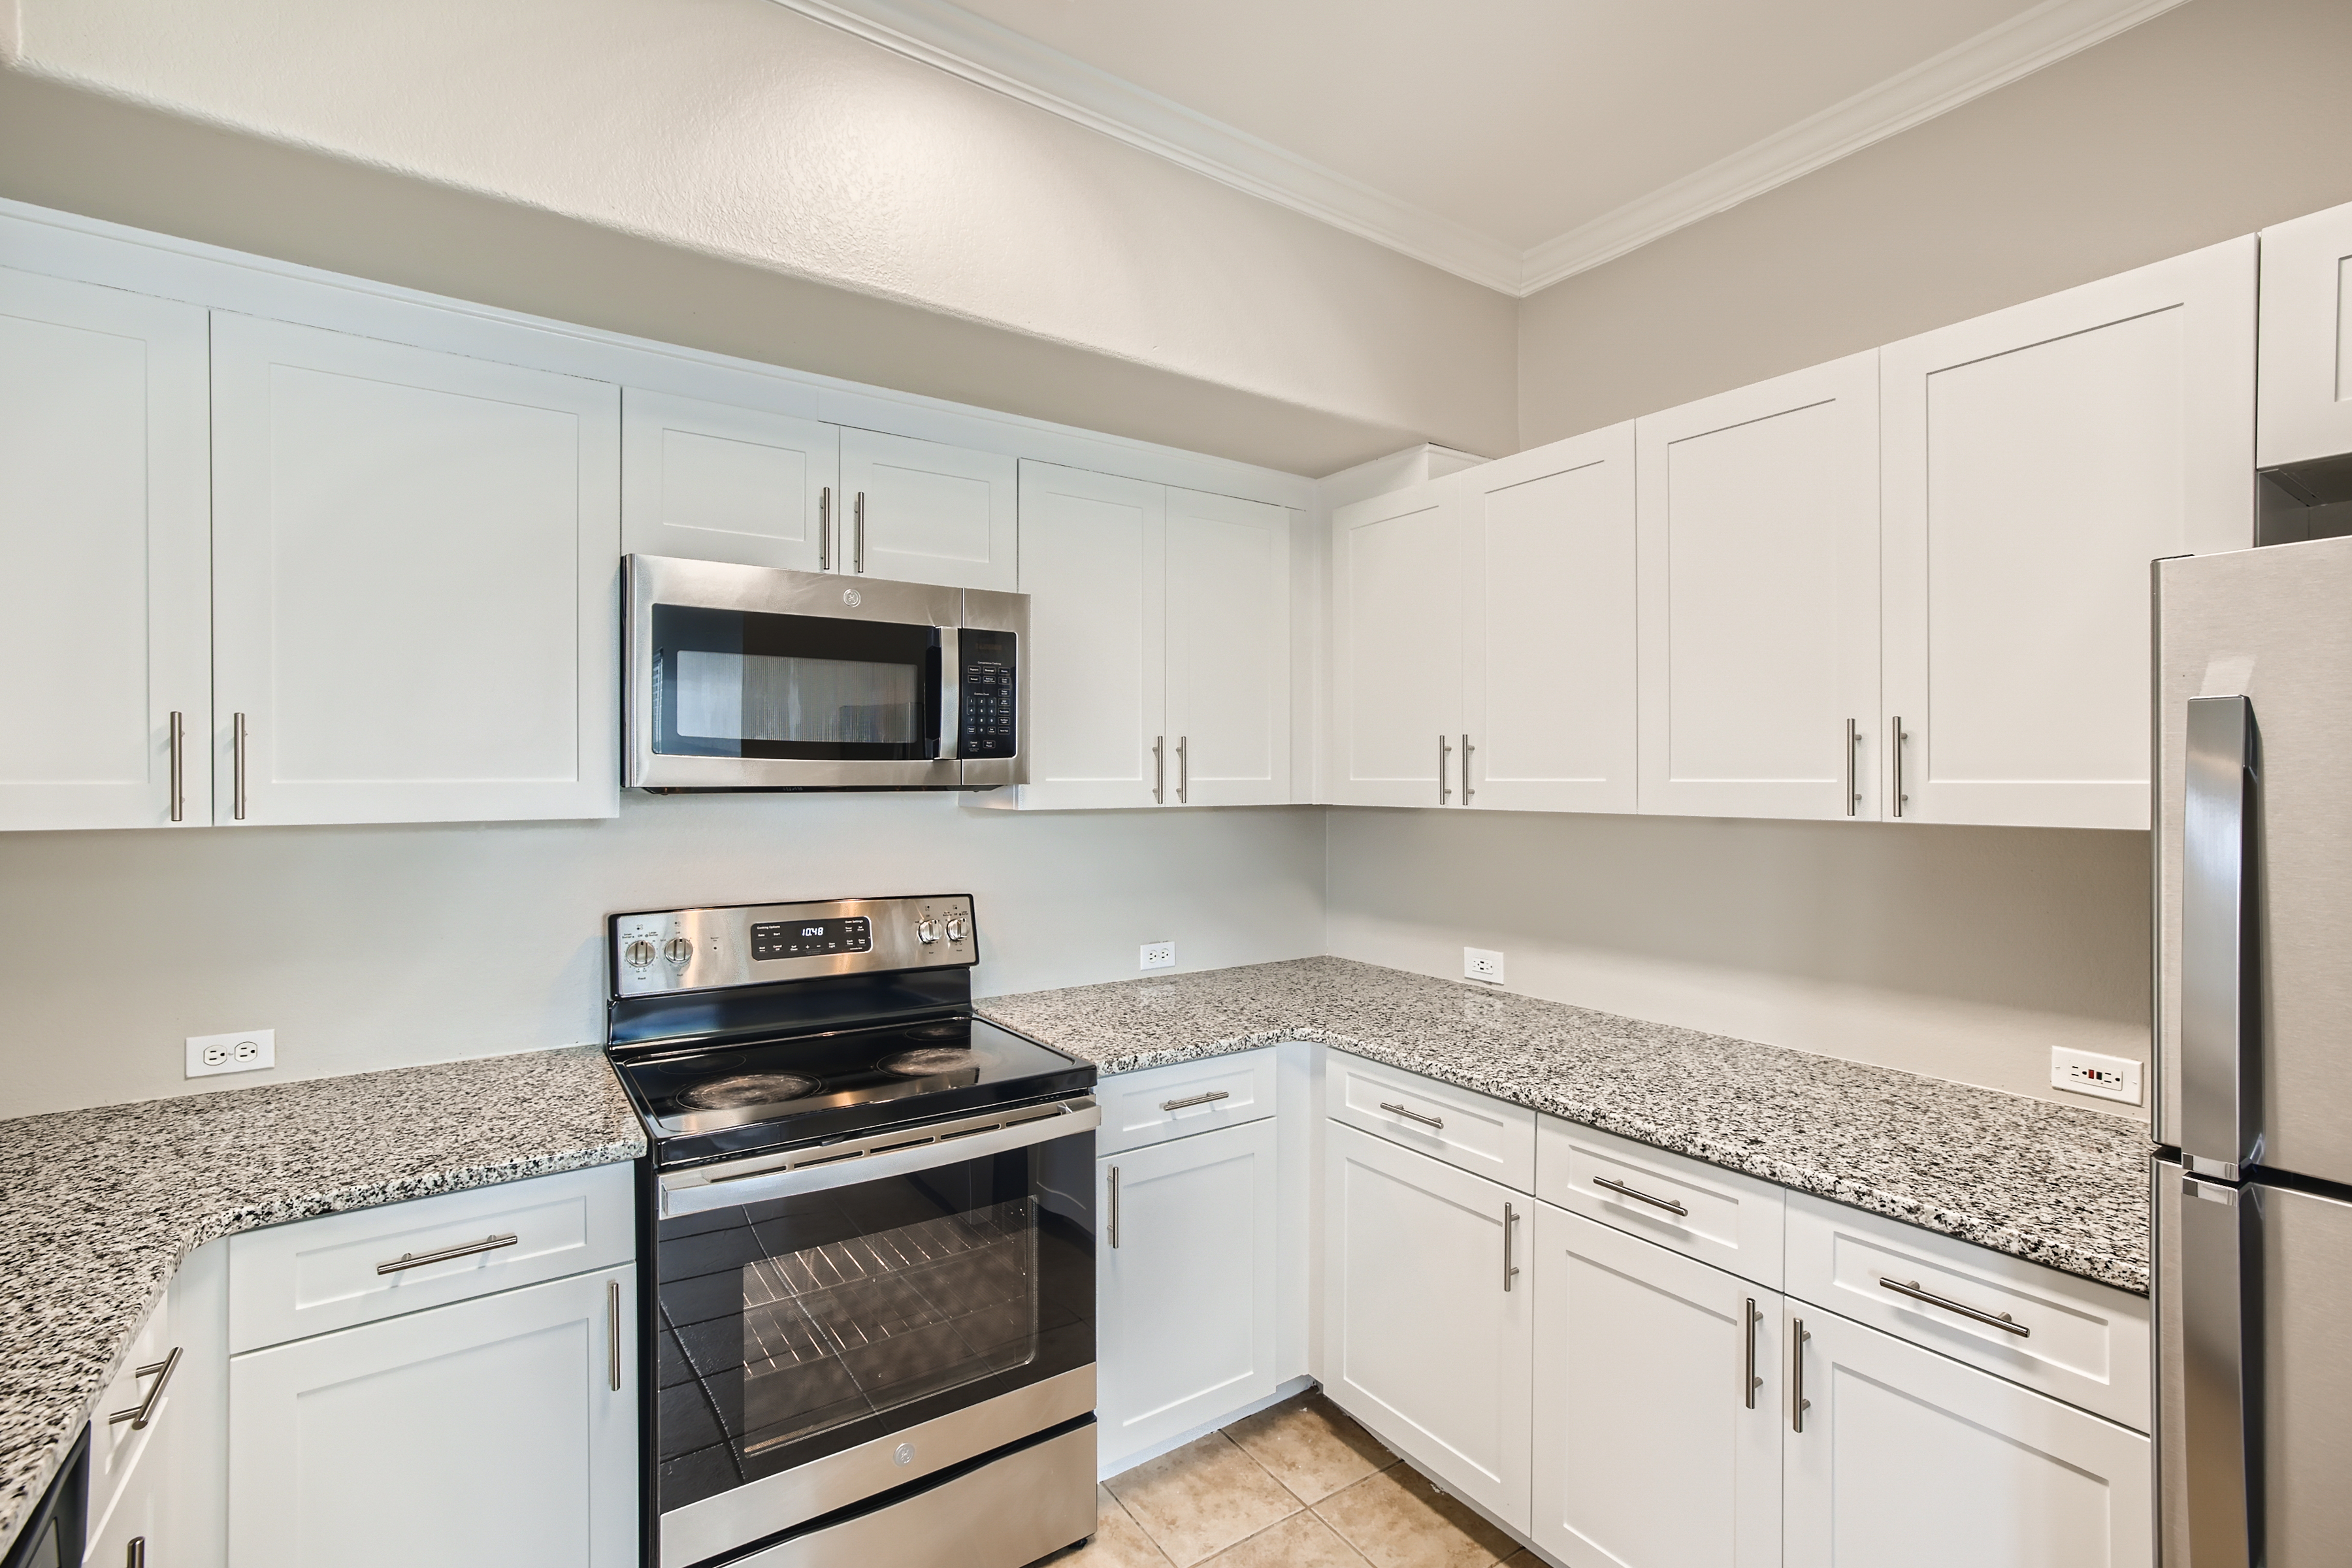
<point>812,939</point>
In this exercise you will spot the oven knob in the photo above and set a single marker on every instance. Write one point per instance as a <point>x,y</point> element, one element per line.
<point>926,931</point>
<point>956,927</point>
<point>640,952</point>
<point>678,950</point>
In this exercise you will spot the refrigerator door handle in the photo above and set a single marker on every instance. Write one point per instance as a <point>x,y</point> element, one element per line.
<point>2220,1129</point>
<point>2216,1271</point>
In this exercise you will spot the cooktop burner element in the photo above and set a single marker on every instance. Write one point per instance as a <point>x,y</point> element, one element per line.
<point>930,1061</point>
<point>748,1088</point>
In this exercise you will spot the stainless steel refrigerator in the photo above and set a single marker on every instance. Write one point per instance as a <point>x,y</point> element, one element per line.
<point>2252,1191</point>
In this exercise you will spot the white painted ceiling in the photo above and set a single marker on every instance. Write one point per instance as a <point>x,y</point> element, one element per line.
<point>1514,142</point>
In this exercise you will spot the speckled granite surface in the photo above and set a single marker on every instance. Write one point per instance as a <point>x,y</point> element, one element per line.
<point>2063,1187</point>
<point>98,1207</point>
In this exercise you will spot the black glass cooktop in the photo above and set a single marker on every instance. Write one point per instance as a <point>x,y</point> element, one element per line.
<point>708,1101</point>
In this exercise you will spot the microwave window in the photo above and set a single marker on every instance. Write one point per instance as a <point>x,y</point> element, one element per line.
<point>762,696</point>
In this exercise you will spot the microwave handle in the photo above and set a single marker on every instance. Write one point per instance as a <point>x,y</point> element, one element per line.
<point>951,691</point>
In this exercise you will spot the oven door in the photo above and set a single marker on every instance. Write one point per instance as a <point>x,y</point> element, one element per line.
<point>832,1333</point>
<point>753,677</point>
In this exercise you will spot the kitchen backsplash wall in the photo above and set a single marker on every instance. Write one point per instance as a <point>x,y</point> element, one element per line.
<point>377,947</point>
<point>1960,953</point>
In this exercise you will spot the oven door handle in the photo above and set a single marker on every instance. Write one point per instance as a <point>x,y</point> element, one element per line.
<point>897,1153</point>
<point>950,692</point>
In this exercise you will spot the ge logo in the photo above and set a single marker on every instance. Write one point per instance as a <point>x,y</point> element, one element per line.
<point>906,1454</point>
<point>852,597</point>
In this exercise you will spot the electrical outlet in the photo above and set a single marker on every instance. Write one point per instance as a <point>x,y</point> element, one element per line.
<point>2087,1072</point>
<point>1477,963</point>
<point>249,1050</point>
<point>1159,956</point>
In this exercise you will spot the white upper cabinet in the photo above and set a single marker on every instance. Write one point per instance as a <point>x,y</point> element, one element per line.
<point>1547,628</point>
<point>416,558</point>
<point>104,519</point>
<point>1396,623</point>
<point>920,511</point>
<point>2036,461</point>
<point>1759,597</point>
<point>1094,549</point>
<point>1228,649</point>
<point>2306,332</point>
<point>708,481</point>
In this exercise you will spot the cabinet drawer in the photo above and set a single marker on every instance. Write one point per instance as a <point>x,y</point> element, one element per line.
<point>2076,1341</point>
<point>116,1447</point>
<point>1729,1220</point>
<point>1488,1137</point>
<point>1151,1107</point>
<point>306,1277</point>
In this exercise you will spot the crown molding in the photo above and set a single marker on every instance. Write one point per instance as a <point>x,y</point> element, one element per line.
<point>941,34</point>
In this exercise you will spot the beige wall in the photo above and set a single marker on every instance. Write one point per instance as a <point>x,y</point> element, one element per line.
<point>2212,120</point>
<point>374,947</point>
<point>1960,953</point>
<point>730,174</point>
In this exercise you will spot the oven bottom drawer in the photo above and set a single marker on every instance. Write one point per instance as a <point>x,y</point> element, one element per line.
<point>1003,1513</point>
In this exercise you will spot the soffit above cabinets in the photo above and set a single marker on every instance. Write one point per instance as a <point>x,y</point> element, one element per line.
<point>1515,142</point>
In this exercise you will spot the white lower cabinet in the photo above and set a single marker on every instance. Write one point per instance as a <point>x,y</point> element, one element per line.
<point>1429,1314</point>
<point>1186,1278</point>
<point>1909,1457</point>
<point>1657,1404</point>
<point>500,1430</point>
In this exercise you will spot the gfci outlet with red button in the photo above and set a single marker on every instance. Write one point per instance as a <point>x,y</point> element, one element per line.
<point>2087,1072</point>
<point>249,1050</point>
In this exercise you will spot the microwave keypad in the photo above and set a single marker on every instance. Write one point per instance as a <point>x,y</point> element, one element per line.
<point>988,695</point>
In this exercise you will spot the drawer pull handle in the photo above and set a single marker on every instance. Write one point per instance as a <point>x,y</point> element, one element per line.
<point>2000,1320</point>
<point>135,1554</point>
<point>1621,1190</point>
<point>419,1259</point>
<point>1196,1100</point>
<point>1436,1122</point>
<point>144,1412</point>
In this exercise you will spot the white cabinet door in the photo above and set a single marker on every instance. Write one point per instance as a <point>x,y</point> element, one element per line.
<point>1427,1328</point>
<point>1228,649</point>
<point>2306,340</point>
<point>918,511</point>
<point>1094,554</point>
<point>1186,1278</point>
<point>500,1432</point>
<point>1547,628</point>
<point>708,481</point>
<point>1657,1404</point>
<point>1908,1457</point>
<point>416,583</point>
<point>2036,461</point>
<point>1396,622</point>
<point>105,512</point>
<point>1759,597</point>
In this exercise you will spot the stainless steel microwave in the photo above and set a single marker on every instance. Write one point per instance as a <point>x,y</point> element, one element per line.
<point>749,677</point>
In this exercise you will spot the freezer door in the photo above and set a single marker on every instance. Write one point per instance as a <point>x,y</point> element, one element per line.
<point>2272,625</point>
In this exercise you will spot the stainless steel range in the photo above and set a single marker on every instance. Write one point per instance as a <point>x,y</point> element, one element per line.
<point>872,1238</point>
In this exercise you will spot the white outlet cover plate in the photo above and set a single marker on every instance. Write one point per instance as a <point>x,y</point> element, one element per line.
<point>247,1050</point>
<point>1478,963</point>
<point>1157,955</point>
<point>2088,1072</point>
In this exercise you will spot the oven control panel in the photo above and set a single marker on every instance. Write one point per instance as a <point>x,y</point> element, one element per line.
<point>987,695</point>
<point>750,944</point>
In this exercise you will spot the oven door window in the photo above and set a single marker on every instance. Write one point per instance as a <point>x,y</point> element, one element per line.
<point>732,683</point>
<point>794,1328</point>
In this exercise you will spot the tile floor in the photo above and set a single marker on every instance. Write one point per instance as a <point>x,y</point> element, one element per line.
<point>1298,1486</point>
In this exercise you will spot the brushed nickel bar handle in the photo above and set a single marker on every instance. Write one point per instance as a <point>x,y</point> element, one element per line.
<point>824,528</point>
<point>1196,1100</point>
<point>419,1259</point>
<point>1114,1207</point>
<point>1445,752</point>
<point>857,557</point>
<point>612,1328</point>
<point>1183,769</point>
<point>135,1554</point>
<point>1798,1402</point>
<point>236,752</point>
<point>1510,1227</point>
<point>1469,790</point>
<point>2000,1320</point>
<point>144,1412</point>
<point>1853,766</point>
<point>1621,1190</point>
<point>1749,1381</point>
<point>1899,738</point>
<point>1159,770</point>
<point>178,742</point>
<point>1436,1122</point>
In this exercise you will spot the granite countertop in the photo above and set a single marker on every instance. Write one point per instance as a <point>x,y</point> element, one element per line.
<point>2062,1186</point>
<point>98,1207</point>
